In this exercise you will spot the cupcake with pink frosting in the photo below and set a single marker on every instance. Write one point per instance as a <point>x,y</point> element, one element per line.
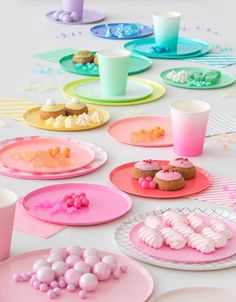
<point>184,167</point>
<point>145,168</point>
<point>169,180</point>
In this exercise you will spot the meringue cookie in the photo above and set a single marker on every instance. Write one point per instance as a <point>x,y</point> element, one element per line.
<point>196,222</point>
<point>150,237</point>
<point>58,124</point>
<point>221,228</point>
<point>75,100</point>
<point>181,77</point>
<point>219,239</point>
<point>50,121</point>
<point>171,217</point>
<point>201,243</point>
<point>60,118</point>
<point>96,117</point>
<point>183,229</point>
<point>173,238</point>
<point>170,75</point>
<point>154,222</point>
<point>82,120</point>
<point>50,101</point>
<point>69,122</point>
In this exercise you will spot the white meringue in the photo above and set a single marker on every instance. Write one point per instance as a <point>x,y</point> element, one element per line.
<point>219,239</point>
<point>181,77</point>
<point>170,75</point>
<point>221,228</point>
<point>58,124</point>
<point>173,238</point>
<point>183,229</point>
<point>50,101</point>
<point>150,237</point>
<point>82,120</point>
<point>69,122</point>
<point>154,222</point>
<point>196,222</point>
<point>172,217</point>
<point>96,117</point>
<point>75,100</point>
<point>50,121</point>
<point>201,243</point>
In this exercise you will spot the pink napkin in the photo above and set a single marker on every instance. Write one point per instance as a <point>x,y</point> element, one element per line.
<point>28,224</point>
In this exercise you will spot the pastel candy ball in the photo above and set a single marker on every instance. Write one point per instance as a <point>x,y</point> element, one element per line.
<point>66,18</point>
<point>45,274</point>
<point>56,15</point>
<point>116,274</point>
<point>88,282</point>
<point>144,184</point>
<point>102,271</point>
<point>85,202</point>
<point>74,250</point>
<point>39,263</point>
<point>83,294</point>
<point>75,17</point>
<point>123,268</point>
<point>90,252</point>
<point>59,268</point>
<point>51,294</point>
<point>60,251</point>
<point>36,284</point>
<point>61,284</point>
<point>70,288</point>
<point>72,276</point>
<point>25,277</point>
<point>82,267</point>
<point>149,178</point>
<point>57,291</point>
<point>16,277</point>
<point>152,185</point>
<point>62,15</point>
<point>91,260</point>
<point>54,284</point>
<point>111,261</point>
<point>54,258</point>
<point>71,260</point>
<point>141,180</point>
<point>43,287</point>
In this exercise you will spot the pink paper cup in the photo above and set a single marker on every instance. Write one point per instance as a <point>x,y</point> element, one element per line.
<point>73,6</point>
<point>7,212</point>
<point>189,122</point>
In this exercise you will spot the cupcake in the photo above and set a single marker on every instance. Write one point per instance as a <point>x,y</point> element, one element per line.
<point>145,168</point>
<point>51,109</point>
<point>169,180</point>
<point>184,167</point>
<point>83,56</point>
<point>74,106</point>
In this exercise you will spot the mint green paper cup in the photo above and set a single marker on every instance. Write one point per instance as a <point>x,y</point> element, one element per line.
<point>166,29</point>
<point>113,70</point>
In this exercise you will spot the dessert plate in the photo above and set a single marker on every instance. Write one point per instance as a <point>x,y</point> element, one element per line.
<point>121,177</point>
<point>32,118</point>
<point>158,92</point>
<point>125,289</point>
<point>187,254</point>
<point>225,80</point>
<point>99,160</point>
<point>121,130</point>
<point>100,31</point>
<point>91,89</point>
<point>106,204</point>
<point>196,294</point>
<point>142,46</point>
<point>89,16</point>
<point>80,155</point>
<point>137,64</point>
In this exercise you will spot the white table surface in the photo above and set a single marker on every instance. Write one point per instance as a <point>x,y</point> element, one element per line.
<point>25,31</point>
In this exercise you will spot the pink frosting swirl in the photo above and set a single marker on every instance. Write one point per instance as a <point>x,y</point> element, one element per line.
<point>181,163</point>
<point>196,222</point>
<point>168,175</point>
<point>148,165</point>
<point>175,240</point>
<point>221,228</point>
<point>150,237</point>
<point>183,229</point>
<point>219,239</point>
<point>171,217</point>
<point>201,243</point>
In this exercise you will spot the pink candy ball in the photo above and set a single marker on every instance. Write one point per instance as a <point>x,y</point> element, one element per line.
<point>70,202</point>
<point>61,283</point>
<point>25,277</point>
<point>52,258</point>
<point>148,178</point>
<point>43,287</point>
<point>74,250</point>
<point>71,260</point>
<point>45,274</point>
<point>85,202</point>
<point>59,268</point>
<point>144,184</point>
<point>116,274</point>
<point>83,294</point>
<point>70,288</point>
<point>36,284</point>
<point>88,282</point>
<point>17,277</point>
<point>90,252</point>
<point>82,267</point>
<point>51,294</point>
<point>77,203</point>
<point>38,264</point>
<point>140,180</point>
<point>111,261</point>
<point>58,250</point>
<point>91,260</point>
<point>123,268</point>
<point>54,284</point>
<point>152,185</point>
<point>72,276</point>
<point>102,271</point>
<point>57,291</point>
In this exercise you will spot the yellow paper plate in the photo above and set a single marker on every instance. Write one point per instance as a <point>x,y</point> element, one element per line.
<point>158,92</point>
<point>32,118</point>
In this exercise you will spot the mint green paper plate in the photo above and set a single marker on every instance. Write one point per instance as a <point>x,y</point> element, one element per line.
<point>137,64</point>
<point>226,79</point>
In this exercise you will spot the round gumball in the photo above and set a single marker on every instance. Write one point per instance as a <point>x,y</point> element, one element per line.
<point>52,258</point>
<point>43,287</point>
<point>51,294</point>
<point>90,252</point>
<point>58,250</point>
<point>71,260</point>
<point>148,178</point>
<point>83,294</point>
<point>57,291</point>
<point>82,267</point>
<point>74,250</point>
<point>71,288</point>
<point>111,261</point>
<point>72,276</point>
<point>116,274</point>
<point>66,18</point>
<point>39,263</point>
<point>54,284</point>
<point>91,260</point>
<point>85,202</point>
<point>70,201</point>
<point>102,271</point>
<point>61,284</point>
<point>59,268</point>
<point>123,268</point>
<point>75,17</point>
<point>144,184</point>
<point>56,15</point>
<point>88,282</point>
<point>152,185</point>
<point>45,274</point>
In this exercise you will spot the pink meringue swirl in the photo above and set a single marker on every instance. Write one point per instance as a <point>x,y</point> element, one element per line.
<point>173,239</point>
<point>196,222</point>
<point>168,175</point>
<point>219,239</point>
<point>221,228</point>
<point>181,163</point>
<point>147,165</point>
<point>150,237</point>
<point>183,229</point>
<point>154,222</point>
<point>171,217</point>
<point>201,243</point>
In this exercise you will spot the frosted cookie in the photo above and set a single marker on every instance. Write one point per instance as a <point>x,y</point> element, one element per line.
<point>169,180</point>
<point>184,167</point>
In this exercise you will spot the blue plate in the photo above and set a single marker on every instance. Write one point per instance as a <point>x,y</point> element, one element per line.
<point>100,31</point>
<point>143,46</point>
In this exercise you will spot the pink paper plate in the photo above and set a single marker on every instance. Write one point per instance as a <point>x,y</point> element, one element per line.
<point>121,178</point>
<point>106,204</point>
<point>187,254</point>
<point>99,160</point>
<point>124,289</point>
<point>121,130</point>
<point>80,155</point>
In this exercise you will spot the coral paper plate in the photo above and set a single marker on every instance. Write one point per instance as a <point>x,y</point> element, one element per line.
<point>121,130</point>
<point>124,289</point>
<point>121,178</point>
<point>106,204</point>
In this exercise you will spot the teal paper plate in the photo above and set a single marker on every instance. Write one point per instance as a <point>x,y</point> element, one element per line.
<point>226,79</point>
<point>138,64</point>
<point>147,43</point>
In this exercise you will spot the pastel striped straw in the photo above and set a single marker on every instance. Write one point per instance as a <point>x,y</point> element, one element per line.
<point>220,124</point>
<point>215,59</point>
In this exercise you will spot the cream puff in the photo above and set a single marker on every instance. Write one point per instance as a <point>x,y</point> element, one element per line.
<point>75,107</point>
<point>51,109</point>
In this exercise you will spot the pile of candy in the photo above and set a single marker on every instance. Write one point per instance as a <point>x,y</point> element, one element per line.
<point>123,30</point>
<point>160,49</point>
<point>74,269</point>
<point>146,135</point>
<point>88,66</point>
<point>147,183</point>
<point>63,16</point>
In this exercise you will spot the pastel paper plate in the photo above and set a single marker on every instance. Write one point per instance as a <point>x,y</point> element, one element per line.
<point>80,155</point>
<point>89,16</point>
<point>121,177</point>
<point>101,29</point>
<point>158,92</point>
<point>137,64</point>
<point>187,254</point>
<point>32,118</point>
<point>106,204</point>
<point>99,160</point>
<point>149,42</point>
<point>226,78</point>
<point>121,130</point>
<point>124,289</point>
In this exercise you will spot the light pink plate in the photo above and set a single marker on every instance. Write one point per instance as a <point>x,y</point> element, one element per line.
<point>124,289</point>
<point>80,155</point>
<point>121,177</point>
<point>106,204</point>
<point>121,130</point>
<point>187,254</point>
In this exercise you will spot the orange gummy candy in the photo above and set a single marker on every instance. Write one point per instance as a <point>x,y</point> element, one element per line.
<point>67,152</point>
<point>55,151</point>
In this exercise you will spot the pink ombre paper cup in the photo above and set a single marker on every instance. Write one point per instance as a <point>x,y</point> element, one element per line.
<point>73,6</point>
<point>7,212</point>
<point>189,122</point>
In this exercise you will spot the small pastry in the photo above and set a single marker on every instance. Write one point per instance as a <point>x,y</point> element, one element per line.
<point>169,180</point>
<point>173,239</point>
<point>83,56</point>
<point>69,122</point>
<point>95,60</point>
<point>82,120</point>
<point>170,218</point>
<point>221,228</point>
<point>145,168</point>
<point>74,106</point>
<point>184,167</point>
<point>219,239</point>
<point>185,230</point>
<point>201,243</point>
<point>150,237</point>
<point>96,117</point>
<point>196,222</point>
<point>51,109</point>
<point>153,222</point>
